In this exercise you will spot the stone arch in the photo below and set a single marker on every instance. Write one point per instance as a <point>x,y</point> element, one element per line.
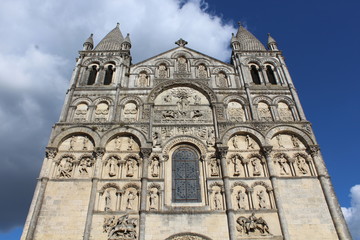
<point>270,61</point>
<point>242,184</point>
<point>284,99</point>
<point>136,100</point>
<point>131,185</point>
<point>140,69</point>
<point>140,138</point>
<point>135,156</point>
<point>86,100</point>
<point>186,54</point>
<point>109,185</point>
<point>92,61</point>
<point>154,185</point>
<point>262,183</point>
<point>66,155</point>
<point>304,137</point>
<point>112,156</point>
<point>109,62</point>
<point>252,60</point>
<point>202,61</point>
<point>257,136</point>
<point>164,61</point>
<point>305,156</point>
<point>174,141</point>
<point>187,236</point>
<point>107,100</point>
<point>226,70</point>
<point>208,92</point>
<point>217,184</point>
<point>264,99</point>
<point>84,130</point>
<point>235,98</point>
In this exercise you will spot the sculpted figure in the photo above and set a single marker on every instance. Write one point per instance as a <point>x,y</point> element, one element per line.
<point>197,100</point>
<point>155,165</point>
<point>237,164</point>
<point>85,143</point>
<point>279,141</point>
<point>202,71</point>
<point>72,142</point>
<point>143,80</point>
<point>65,168</point>
<point>162,71</point>
<point>222,81</point>
<point>118,143</point>
<point>217,200</point>
<point>252,225</point>
<point>112,163</point>
<point>241,200</point>
<point>153,198</point>
<point>249,142</point>
<point>256,167</point>
<point>156,140</point>
<point>130,143</point>
<point>107,201</point>
<point>211,138</point>
<point>183,105</point>
<point>301,163</point>
<point>235,142</point>
<point>295,141</point>
<point>283,166</point>
<point>262,199</point>
<point>120,228</point>
<point>130,165</point>
<point>214,169</point>
<point>182,64</point>
<point>83,166</point>
<point>130,200</point>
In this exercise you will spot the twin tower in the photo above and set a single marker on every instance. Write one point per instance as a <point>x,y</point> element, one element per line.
<point>182,146</point>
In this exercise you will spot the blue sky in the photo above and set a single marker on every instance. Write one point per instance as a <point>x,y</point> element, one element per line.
<point>319,39</point>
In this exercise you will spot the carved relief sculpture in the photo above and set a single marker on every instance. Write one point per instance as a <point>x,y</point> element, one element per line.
<point>256,167</point>
<point>283,165</point>
<point>72,143</point>
<point>118,143</point>
<point>156,140</point>
<point>182,66</point>
<point>155,166</point>
<point>107,201</point>
<point>237,164</point>
<point>120,228</point>
<point>262,199</point>
<point>249,142</point>
<point>130,201</point>
<point>153,198</point>
<point>301,164</point>
<point>211,138</point>
<point>295,141</point>
<point>130,143</point>
<point>197,99</point>
<point>65,168</point>
<point>84,165</point>
<point>101,112</point>
<point>130,167</point>
<point>264,112</point>
<point>241,200</point>
<point>217,200</point>
<point>112,165</point>
<point>162,71</point>
<point>202,71</point>
<point>130,112</point>
<point>235,142</point>
<point>214,168</point>
<point>222,80</point>
<point>143,80</point>
<point>235,112</point>
<point>252,225</point>
<point>284,112</point>
<point>279,141</point>
<point>85,143</point>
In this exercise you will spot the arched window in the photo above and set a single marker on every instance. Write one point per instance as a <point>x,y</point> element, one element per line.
<point>270,74</point>
<point>255,75</point>
<point>185,176</point>
<point>108,75</point>
<point>92,75</point>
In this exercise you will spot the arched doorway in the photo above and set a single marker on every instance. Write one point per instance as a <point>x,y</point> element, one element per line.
<point>187,236</point>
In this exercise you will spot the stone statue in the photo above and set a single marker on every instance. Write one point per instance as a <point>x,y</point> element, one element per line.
<point>256,167</point>
<point>143,80</point>
<point>295,141</point>
<point>264,112</point>
<point>202,71</point>
<point>249,142</point>
<point>112,166</point>
<point>153,198</point>
<point>130,200</point>
<point>252,225</point>
<point>162,71</point>
<point>214,169</point>
<point>156,140</point>
<point>279,141</point>
<point>183,105</point>
<point>130,143</point>
<point>182,64</point>
<point>65,168</point>
<point>211,138</point>
<point>118,143</point>
<point>283,166</point>
<point>301,164</point>
<point>155,166</point>
<point>72,143</point>
<point>222,80</point>
<point>241,200</point>
<point>85,143</point>
<point>120,228</point>
<point>197,99</point>
<point>235,142</point>
<point>107,201</point>
<point>237,164</point>
<point>217,200</point>
<point>130,166</point>
<point>262,199</point>
<point>83,166</point>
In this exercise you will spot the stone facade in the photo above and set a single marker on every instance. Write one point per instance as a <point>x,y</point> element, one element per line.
<point>182,146</point>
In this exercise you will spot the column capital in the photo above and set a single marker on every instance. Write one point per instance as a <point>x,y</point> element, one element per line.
<point>146,152</point>
<point>99,152</point>
<point>267,150</point>
<point>313,150</point>
<point>50,152</point>
<point>222,151</point>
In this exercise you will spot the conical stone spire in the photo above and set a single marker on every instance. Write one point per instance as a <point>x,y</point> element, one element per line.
<point>272,45</point>
<point>112,41</point>
<point>248,42</point>
<point>89,43</point>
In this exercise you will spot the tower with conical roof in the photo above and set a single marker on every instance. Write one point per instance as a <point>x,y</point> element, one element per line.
<point>182,146</point>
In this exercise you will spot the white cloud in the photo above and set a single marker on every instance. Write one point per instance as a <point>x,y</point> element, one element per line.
<point>38,47</point>
<point>352,214</point>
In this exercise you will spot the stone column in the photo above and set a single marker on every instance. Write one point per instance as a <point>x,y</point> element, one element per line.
<point>330,197</point>
<point>274,181</point>
<point>229,208</point>
<point>253,110</point>
<point>40,188</point>
<point>99,153</point>
<point>144,182</point>
<point>297,102</point>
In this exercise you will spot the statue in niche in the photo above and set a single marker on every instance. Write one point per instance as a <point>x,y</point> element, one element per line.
<point>120,228</point>
<point>252,225</point>
<point>279,141</point>
<point>241,200</point>
<point>222,80</point>
<point>211,138</point>
<point>217,200</point>
<point>262,199</point>
<point>65,168</point>
<point>84,164</point>
<point>202,71</point>
<point>118,143</point>
<point>72,143</point>
<point>301,164</point>
<point>107,201</point>
<point>153,198</point>
<point>264,112</point>
<point>102,110</point>
<point>143,79</point>
<point>237,164</point>
<point>197,114</point>
<point>249,142</point>
<point>283,166</point>
<point>162,71</point>
<point>235,142</point>
<point>130,166</point>
<point>112,166</point>
<point>130,112</point>
<point>85,143</point>
<point>182,67</point>
<point>197,99</point>
<point>256,167</point>
<point>167,98</point>
<point>130,200</point>
<point>130,143</point>
<point>81,110</point>
<point>235,112</point>
<point>214,168</point>
<point>295,141</point>
<point>155,166</point>
<point>156,140</point>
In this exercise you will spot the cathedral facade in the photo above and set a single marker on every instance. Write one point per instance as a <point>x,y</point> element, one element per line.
<point>183,146</point>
